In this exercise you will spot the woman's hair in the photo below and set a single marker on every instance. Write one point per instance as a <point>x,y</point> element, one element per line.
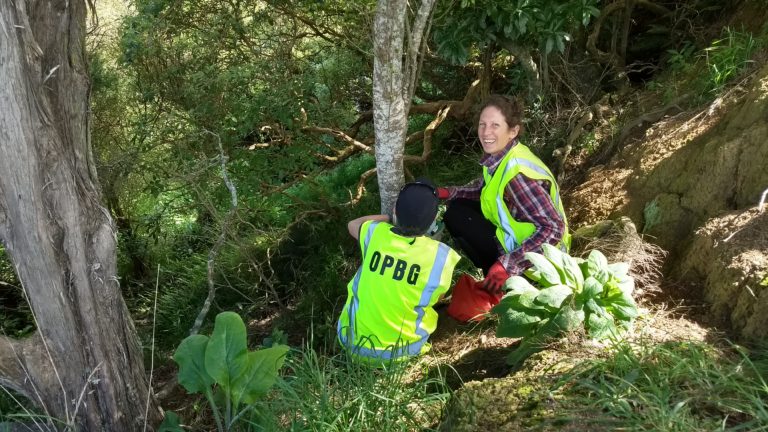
<point>511,108</point>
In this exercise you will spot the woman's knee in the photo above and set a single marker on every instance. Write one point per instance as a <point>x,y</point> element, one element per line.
<point>458,213</point>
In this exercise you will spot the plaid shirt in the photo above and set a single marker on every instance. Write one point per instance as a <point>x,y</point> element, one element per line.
<point>528,201</point>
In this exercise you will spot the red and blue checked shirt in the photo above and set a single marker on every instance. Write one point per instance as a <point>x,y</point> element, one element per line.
<point>528,201</point>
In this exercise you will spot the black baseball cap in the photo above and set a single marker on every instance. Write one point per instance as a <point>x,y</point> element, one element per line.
<point>416,207</point>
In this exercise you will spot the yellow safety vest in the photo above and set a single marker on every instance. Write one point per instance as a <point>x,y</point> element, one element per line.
<point>388,315</point>
<point>510,232</point>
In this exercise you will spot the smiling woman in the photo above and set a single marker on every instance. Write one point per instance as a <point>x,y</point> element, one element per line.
<point>496,129</point>
<point>513,208</point>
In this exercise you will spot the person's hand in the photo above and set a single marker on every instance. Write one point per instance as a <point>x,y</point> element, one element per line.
<point>494,280</point>
<point>442,193</point>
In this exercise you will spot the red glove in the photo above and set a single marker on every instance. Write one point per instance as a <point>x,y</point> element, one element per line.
<point>443,193</point>
<point>494,280</point>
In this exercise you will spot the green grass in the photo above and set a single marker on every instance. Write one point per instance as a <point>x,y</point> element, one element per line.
<point>333,393</point>
<point>706,72</point>
<point>728,56</point>
<point>674,386</point>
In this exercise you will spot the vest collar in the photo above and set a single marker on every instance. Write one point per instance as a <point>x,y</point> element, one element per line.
<point>492,161</point>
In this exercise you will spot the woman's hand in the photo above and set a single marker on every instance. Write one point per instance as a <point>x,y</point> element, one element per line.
<point>494,280</point>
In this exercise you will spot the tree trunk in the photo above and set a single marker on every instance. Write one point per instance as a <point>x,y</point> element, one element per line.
<point>390,116</point>
<point>395,73</point>
<point>84,364</point>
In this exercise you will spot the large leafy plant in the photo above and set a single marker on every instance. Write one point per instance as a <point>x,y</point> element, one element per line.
<point>225,371</point>
<point>567,293</point>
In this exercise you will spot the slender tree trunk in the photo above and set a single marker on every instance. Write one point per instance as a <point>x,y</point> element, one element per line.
<point>398,45</point>
<point>84,364</point>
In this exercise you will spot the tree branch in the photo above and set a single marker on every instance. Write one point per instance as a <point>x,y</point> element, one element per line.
<point>339,135</point>
<point>428,132</point>
<point>219,241</point>
<point>601,56</point>
<point>361,187</point>
<point>12,374</point>
<point>416,44</point>
<point>17,357</point>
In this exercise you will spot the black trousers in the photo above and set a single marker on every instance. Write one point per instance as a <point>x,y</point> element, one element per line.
<point>472,232</point>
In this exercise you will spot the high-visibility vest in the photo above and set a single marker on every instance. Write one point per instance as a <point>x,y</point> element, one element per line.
<point>510,232</point>
<point>388,315</point>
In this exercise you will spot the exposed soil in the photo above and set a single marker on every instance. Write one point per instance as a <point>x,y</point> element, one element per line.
<point>687,181</point>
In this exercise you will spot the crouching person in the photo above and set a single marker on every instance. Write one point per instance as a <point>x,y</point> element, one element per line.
<point>388,316</point>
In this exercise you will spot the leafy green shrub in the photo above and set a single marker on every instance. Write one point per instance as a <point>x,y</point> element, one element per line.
<point>570,292</point>
<point>240,376</point>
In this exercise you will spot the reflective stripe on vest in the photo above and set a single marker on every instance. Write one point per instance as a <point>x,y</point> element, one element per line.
<point>370,346</point>
<point>355,302</point>
<point>511,233</point>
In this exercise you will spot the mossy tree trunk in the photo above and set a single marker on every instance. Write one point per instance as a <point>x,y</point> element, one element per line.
<point>83,364</point>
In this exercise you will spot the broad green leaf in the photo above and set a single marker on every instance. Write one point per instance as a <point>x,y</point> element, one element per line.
<point>554,295</point>
<point>573,274</point>
<point>534,275</point>
<point>618,269</point>
<point>531,345</point>
<point>592,306</point>
<point>568,319</point>
<point>528,301</point>
<point>600,327</point>
<point>556,257</point>
<point>626,285</point>
<point>515,323</point>
<point>549,275</point>
<point>263,366</point>
<point>584,266</point>
<point>190,356</point>
<point>592,288</point>
<point>602,276</point>
<point>622,306</point>
<point>596,262</point>
<point>519,285</point>
<point>226,355</point>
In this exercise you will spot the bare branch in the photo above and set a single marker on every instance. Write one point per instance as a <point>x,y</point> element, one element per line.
<point>428,132</point>
<point>339,135</point>
<point>267,281</point>
<point>361,186</point>
<point>219,241</point>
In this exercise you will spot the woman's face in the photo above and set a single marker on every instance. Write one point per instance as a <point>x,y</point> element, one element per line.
<point>493,130</point>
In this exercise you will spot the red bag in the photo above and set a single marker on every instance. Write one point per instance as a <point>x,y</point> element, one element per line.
<point>469,302</point>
